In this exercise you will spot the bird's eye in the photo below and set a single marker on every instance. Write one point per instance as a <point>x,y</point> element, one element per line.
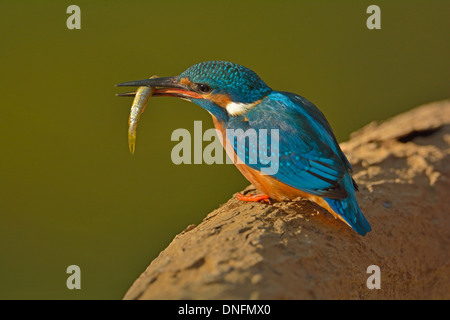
<point>203,88</point>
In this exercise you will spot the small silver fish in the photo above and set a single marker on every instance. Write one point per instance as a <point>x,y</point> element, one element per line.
<point>138,107</point>
<point>141,97</point>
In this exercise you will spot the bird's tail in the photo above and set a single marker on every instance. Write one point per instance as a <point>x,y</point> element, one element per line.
<point>348,210</point>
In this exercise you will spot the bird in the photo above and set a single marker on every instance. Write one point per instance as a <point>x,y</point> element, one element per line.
<point>310,162</point>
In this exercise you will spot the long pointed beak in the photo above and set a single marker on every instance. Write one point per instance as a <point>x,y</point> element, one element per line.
<point>164,86</point>
<point>167,82</point>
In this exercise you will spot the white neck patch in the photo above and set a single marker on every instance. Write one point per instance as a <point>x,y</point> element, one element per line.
<point>238,108</point>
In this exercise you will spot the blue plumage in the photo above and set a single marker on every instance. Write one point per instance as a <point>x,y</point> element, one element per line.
<point>307,161</point>
<point>309,155</point>
<point>239,82</point>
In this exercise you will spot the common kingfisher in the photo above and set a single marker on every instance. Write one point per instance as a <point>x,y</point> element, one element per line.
<point>311,163</point>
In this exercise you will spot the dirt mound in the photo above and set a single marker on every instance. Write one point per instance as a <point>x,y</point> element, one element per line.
<point>296,250</point>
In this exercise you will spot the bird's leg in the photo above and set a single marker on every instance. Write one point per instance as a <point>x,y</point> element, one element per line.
<point>254,198</point>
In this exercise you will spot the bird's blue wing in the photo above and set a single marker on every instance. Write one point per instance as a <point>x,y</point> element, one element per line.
<point>309,156</point>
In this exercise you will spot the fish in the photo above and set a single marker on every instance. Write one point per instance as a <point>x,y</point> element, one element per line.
<point>141,97</point>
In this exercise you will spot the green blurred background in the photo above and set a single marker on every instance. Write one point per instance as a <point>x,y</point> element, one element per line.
<point>70,192</point>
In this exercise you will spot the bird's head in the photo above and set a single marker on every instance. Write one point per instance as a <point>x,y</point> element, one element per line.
<point>224,89</point>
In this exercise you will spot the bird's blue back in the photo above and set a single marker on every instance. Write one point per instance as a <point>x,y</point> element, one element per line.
<point>310,158</point>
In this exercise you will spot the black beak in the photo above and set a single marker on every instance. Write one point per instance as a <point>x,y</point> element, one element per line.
<point>164,82</point>
<point>164,86</point>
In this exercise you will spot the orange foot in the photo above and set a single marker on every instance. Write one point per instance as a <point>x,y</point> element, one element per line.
<point>254,198</point>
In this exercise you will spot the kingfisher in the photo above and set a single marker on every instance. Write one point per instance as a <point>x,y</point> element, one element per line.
<point>310,163</point>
